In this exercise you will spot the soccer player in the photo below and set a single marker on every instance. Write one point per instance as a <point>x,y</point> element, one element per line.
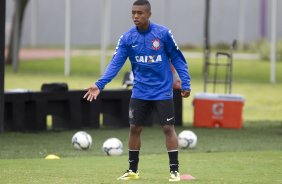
<point>150,48</point>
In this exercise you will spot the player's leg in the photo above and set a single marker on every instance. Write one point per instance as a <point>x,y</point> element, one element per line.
<point>170,138</point>
<point>134,144</point>
<point>137,111</point>
<point>172,149</point>
<point>165,110</point>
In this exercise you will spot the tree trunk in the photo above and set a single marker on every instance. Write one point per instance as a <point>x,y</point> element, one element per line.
<point>20,6</point>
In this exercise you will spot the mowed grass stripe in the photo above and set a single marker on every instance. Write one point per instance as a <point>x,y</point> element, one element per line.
<point>239,167</point>
<point>259,136</point>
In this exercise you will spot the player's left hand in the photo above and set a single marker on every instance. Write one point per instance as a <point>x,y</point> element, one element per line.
<point>185,93</point>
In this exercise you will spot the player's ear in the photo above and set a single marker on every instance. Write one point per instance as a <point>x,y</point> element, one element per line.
<point>149,12</point>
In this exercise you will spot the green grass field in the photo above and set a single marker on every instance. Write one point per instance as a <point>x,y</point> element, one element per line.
<point>252,154</point>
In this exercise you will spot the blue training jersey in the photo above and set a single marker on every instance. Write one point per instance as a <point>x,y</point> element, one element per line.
<point>150,54</point>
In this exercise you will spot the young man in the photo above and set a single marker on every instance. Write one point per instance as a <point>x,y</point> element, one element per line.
<point>150,48</point>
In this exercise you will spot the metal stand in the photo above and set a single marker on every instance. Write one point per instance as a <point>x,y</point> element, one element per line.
<point>215,80</point>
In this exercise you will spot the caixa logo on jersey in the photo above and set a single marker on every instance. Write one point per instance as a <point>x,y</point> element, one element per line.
<point>148,59</point>
<point>218,109</point>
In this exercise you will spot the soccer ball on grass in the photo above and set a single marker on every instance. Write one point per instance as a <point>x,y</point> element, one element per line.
<point>113,147</point>
<point>187,139</point>
<point>81,140</point>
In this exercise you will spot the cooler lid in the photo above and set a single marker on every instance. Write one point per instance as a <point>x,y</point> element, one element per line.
<point>214,96</point>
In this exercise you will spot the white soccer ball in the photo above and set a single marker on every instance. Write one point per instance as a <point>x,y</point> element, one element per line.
<point>113,147</point>
<point>187,139</point>
<point>81,140</point>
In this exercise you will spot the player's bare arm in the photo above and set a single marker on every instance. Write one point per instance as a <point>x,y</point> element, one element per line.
<point>92,93</point>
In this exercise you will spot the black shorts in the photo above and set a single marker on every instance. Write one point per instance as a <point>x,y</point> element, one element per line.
<point>141,110</point>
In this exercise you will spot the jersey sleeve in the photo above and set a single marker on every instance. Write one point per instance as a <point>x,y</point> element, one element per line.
<point>115,64</point>
<point>178,60</point>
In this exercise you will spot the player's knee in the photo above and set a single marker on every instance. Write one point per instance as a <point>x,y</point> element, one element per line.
<point>168,129</point>
<point>135,129</point>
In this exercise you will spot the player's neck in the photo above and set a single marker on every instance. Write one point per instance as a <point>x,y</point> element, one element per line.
<point>144,27</point>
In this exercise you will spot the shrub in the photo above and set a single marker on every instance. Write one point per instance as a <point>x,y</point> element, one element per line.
<point>263,48</point>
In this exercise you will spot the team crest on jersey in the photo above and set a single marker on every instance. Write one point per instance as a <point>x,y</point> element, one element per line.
<point>156,44</point>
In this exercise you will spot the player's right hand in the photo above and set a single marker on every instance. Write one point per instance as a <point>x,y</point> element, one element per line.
<point>92,93</point>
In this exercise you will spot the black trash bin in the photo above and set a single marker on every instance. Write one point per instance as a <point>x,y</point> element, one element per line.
<point>57,108</point>
<point>48,87</point>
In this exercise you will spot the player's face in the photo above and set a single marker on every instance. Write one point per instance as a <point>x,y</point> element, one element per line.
<point>141,16</point>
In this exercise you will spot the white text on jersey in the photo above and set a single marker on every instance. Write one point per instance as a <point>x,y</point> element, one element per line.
<point>149,59</point>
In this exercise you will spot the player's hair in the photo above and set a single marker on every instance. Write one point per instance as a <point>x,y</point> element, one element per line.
<point>143,3</point>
